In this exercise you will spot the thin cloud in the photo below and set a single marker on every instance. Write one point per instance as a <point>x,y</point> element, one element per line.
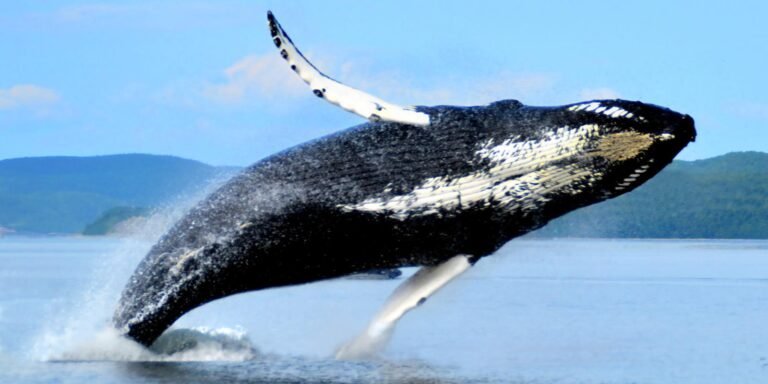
<point>27,96</point>
<point>402,89</point>
<point>266,78</point>
<point>259,77</point>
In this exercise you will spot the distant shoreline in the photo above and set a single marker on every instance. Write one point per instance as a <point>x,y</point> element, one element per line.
<point>724,197</point>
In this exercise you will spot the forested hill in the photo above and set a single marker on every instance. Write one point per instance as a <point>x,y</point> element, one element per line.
<point>720,197</point>
<point>63,194</point>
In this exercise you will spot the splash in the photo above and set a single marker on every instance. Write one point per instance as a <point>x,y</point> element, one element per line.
<point>178,345</point>
<point>80,329</point>
<point>367,345</point>
<point>79,318</point>
<point>205,344</point>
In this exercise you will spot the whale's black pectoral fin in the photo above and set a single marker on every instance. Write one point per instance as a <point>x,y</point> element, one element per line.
<point>410,294</point>
<point>351,99</point>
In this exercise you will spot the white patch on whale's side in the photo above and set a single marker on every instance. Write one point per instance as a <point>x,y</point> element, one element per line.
<point>520,175</point>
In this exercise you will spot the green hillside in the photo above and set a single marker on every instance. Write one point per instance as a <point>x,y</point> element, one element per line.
<point>63,194</point>
<point>720,197</point>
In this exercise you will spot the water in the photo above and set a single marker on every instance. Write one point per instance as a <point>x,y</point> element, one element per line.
<point>562,311</point>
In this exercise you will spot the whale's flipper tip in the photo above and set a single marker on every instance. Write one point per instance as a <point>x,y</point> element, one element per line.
<point>346,97</point>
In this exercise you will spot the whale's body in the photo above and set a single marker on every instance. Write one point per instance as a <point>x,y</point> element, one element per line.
<point>439,187</point>
<point>385,195</point>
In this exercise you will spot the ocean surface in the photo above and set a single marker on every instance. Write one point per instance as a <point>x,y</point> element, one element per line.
<point>539,311</point>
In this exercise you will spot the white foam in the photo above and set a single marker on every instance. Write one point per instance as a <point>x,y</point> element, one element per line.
<point>205,344</point>
<point>197,344</point>
<point>106,345</point>
<point>77,323</point>
<point>81,317</point>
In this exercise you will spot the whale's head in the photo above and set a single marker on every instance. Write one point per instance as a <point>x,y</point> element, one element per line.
<point>627,142</point>
<point>546,161</point>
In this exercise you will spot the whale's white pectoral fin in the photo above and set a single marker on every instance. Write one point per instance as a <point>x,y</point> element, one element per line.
<point>351,99</point>
<point>410,294</point>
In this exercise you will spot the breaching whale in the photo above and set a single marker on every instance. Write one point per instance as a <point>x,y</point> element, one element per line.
<point>432,186</point>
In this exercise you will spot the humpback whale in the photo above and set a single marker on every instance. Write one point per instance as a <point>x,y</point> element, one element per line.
<point>438,187</point>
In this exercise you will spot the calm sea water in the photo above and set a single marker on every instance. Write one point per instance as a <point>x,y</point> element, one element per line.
<point>559,311</point>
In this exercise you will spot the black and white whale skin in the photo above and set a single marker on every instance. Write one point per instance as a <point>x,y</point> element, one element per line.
<point>439,187</point>
<point>389,195</point>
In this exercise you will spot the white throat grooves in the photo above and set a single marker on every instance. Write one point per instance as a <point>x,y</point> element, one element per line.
<point>521,174</point>
<point>348,98</point>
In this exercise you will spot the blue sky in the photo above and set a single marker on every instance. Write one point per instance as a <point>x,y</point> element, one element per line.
<point>202,80</point>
